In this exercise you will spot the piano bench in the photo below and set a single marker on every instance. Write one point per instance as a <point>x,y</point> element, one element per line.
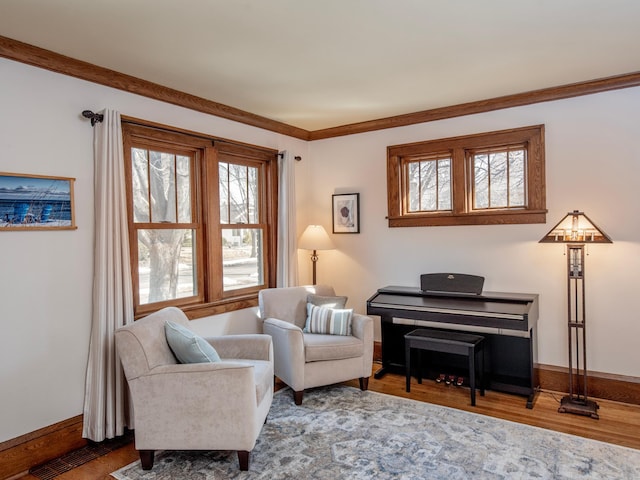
<point>457,343</point>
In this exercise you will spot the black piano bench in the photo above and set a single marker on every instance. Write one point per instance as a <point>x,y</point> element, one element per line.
<point>457,343</point>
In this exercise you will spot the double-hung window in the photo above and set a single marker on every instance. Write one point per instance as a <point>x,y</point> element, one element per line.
<point>489,178</point>
<point>200,217</point>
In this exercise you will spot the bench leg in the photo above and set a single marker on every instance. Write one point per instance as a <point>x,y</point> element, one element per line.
<point>481,369</point>
<point>407,370</point>
<point>472,376</point>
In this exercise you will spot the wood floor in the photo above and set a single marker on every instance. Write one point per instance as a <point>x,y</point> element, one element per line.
<point>619,423</point>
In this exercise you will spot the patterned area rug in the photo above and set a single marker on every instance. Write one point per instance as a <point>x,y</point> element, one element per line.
<point>342,433</point>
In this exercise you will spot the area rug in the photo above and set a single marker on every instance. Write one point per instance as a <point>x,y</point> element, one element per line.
<point>340,432</point>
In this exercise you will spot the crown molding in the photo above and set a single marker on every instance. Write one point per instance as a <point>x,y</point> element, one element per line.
<point>508,101</point>
<point>42,58</point>
<point>39,57</point>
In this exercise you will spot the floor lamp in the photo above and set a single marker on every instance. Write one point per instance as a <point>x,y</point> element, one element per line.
<point>576,230</point>
<point>315,238</point>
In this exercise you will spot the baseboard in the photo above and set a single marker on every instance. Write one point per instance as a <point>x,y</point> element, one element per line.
<point>20,454</point>
<point>618,388</point>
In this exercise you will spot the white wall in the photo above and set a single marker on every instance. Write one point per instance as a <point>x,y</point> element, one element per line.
<point>46,277</point>
<point>592,164</point>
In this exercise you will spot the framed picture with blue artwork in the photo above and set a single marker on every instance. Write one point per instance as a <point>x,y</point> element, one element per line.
<point>36,202</point>
<point>346,213</point>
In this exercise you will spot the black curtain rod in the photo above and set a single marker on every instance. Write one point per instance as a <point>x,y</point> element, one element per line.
<point>98,117</point>
<point>94,117</point>
<point>298,158</point>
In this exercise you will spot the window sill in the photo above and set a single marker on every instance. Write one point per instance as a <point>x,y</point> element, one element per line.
<point>213,308</point>
<point>501,217</point>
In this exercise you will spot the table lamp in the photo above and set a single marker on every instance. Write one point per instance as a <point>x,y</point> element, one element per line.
<point>315,238</point>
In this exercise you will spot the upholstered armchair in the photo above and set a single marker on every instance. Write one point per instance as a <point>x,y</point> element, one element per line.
<point>305,360</point>
<point>217,405</point>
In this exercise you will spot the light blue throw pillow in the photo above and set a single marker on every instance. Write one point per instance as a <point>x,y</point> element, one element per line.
<point>187,346</point>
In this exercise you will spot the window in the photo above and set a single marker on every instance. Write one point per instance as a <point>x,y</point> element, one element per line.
<point>200,211</point>
<point>429,183</point>
<point>483,179</point>
<point>498,177</point>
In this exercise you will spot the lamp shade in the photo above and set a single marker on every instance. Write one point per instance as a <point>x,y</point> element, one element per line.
<point>575,227</point>
<point>315,237</point>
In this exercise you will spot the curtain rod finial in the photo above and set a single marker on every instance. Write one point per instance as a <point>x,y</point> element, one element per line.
<point>94,117</point>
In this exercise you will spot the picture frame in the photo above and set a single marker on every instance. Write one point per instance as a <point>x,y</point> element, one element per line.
<point>346,212</point>
<point>36,202</point>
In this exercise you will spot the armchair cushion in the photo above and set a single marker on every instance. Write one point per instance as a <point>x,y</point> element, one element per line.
<point>322,348</point>
<point>187,346</point>
<point>327,301</point>
<point>327,320</point>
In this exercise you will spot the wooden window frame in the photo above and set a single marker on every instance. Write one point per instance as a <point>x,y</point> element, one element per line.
<point>458,148</point>
<point>211,297</point>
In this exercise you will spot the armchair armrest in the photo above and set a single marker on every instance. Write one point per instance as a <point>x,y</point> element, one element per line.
<point>281,324</point>
<point>198,398</point>
<point>362,327</point>
<point>288,346</point>
<point>212,384</point>
<point>194,368</point>
<point>250,347</point>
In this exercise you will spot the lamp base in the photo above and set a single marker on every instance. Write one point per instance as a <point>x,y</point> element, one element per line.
<point>587,408</point>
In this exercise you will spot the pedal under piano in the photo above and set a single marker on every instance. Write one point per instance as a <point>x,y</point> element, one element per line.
<point>453,301</point>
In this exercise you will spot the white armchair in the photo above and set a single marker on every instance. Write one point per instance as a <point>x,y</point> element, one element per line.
<point>195,406</point>
<point>306,360</point>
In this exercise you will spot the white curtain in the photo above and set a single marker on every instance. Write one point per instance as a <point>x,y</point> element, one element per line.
<point>106,399</point>
<point>287,271</point>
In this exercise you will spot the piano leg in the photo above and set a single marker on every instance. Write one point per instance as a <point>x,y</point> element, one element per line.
<point>390,341</point>
<point>380,373</point>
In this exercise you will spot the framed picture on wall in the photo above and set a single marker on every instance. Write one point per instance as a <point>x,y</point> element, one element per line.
<point>346,213</point>
<point>36,202</point>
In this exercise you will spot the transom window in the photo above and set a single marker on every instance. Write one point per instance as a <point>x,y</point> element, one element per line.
<point>489,178</point>
<point>499,177</point>
<point>429,184</point>
<point>200,211</point>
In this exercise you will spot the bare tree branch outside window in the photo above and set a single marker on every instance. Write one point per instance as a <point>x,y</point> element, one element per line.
<point>162,195</point>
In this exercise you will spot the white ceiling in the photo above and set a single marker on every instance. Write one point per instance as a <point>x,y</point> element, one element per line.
<point>322,63</point>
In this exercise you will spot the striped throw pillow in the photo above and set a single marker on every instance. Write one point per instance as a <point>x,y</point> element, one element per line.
<point>326,320</point>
